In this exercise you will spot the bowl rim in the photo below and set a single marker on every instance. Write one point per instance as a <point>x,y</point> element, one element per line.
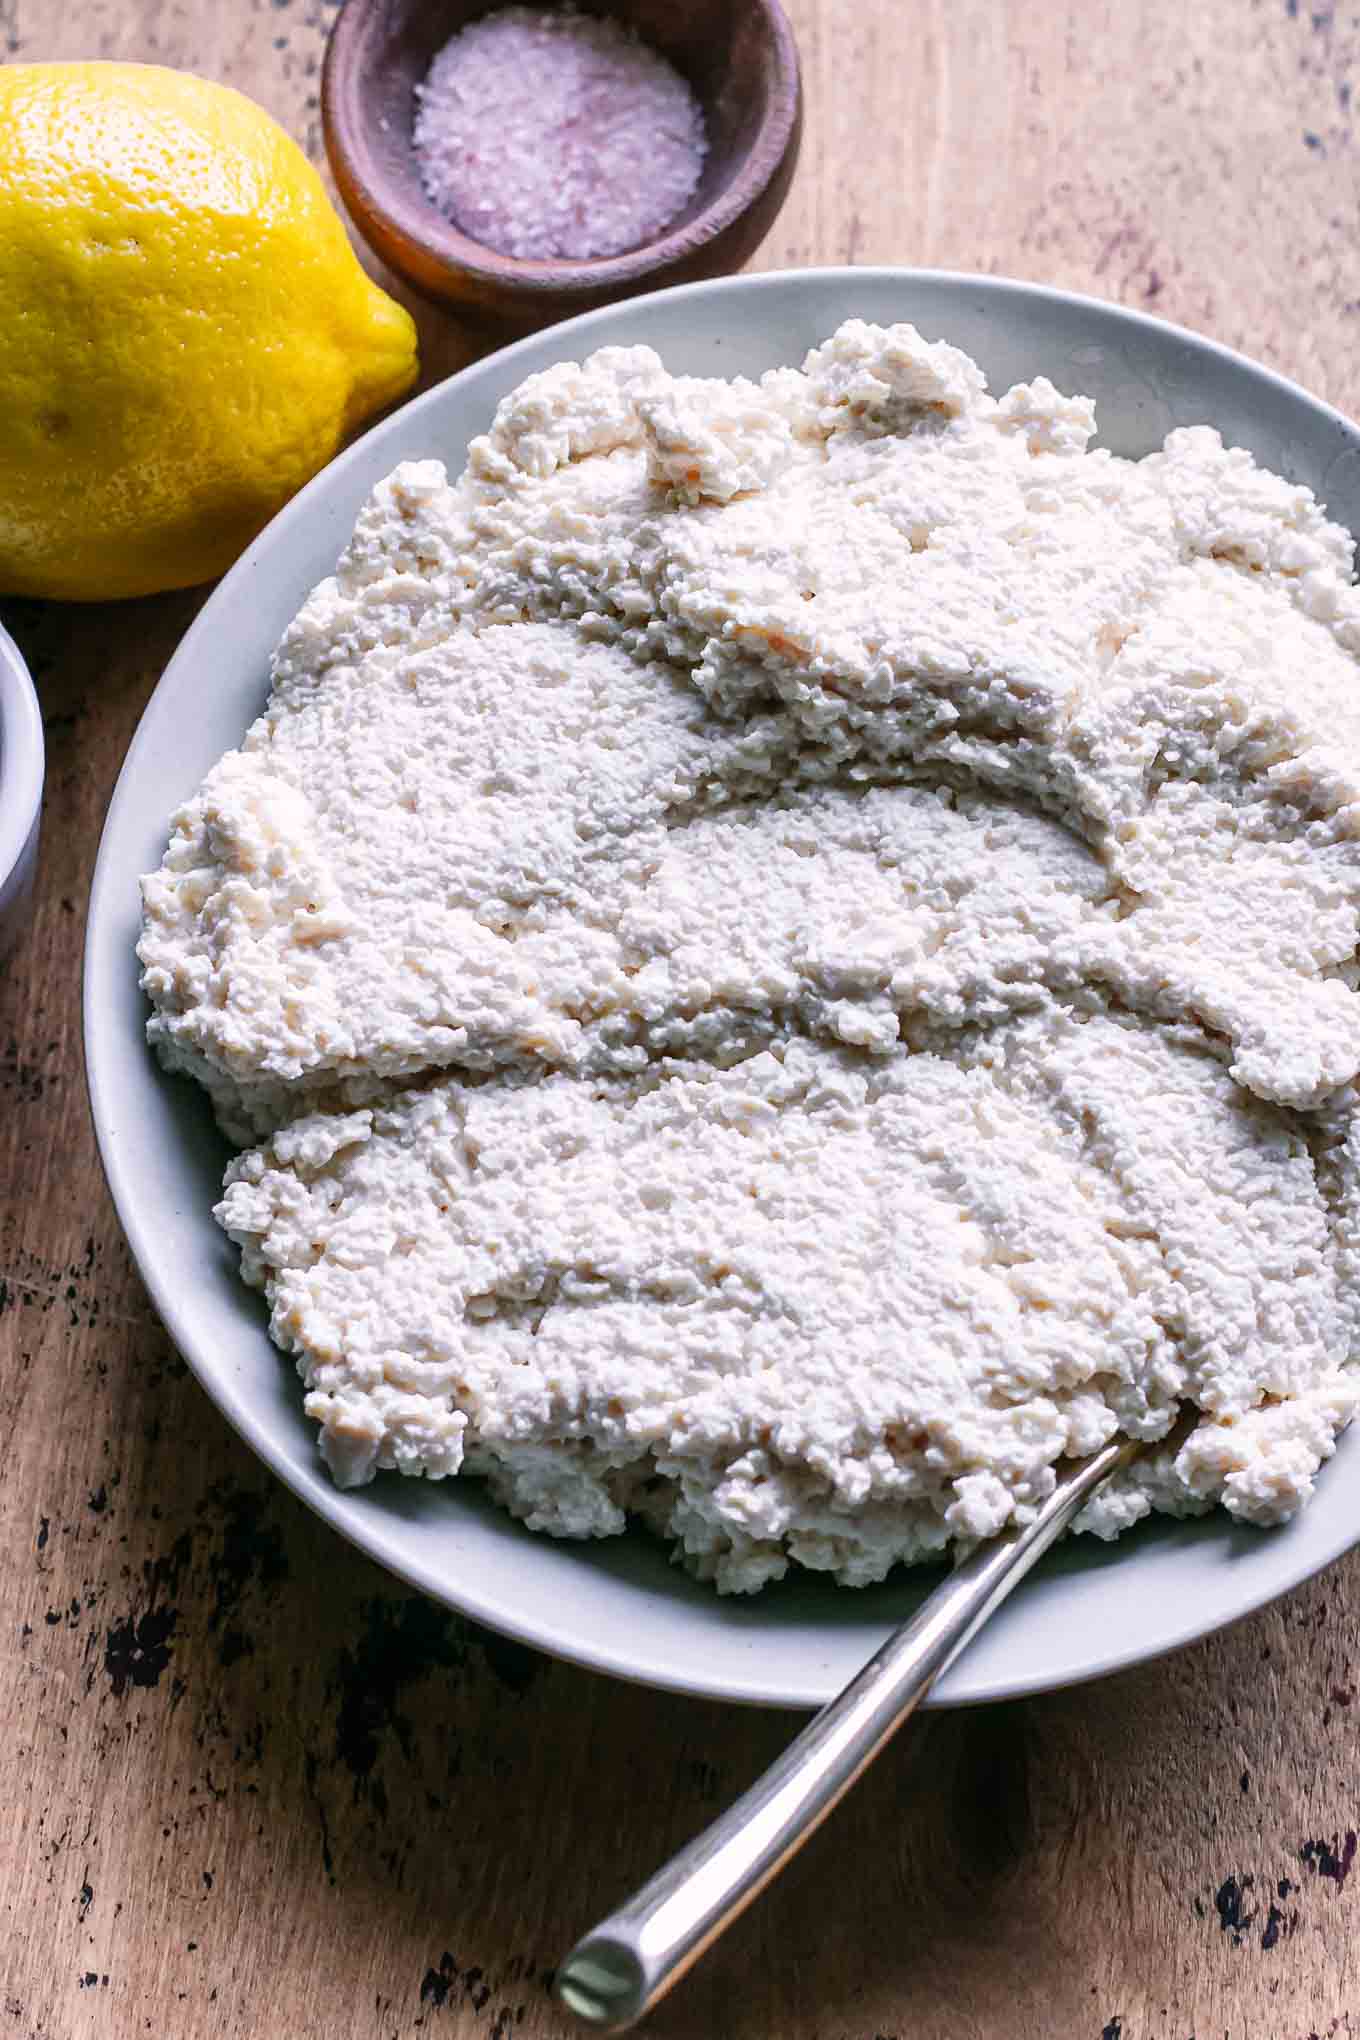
<point>105,964</point>
<point>348,136</point>
<point>22,759</point>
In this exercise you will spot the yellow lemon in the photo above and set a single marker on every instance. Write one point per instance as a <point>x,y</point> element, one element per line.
<point>186,334</point>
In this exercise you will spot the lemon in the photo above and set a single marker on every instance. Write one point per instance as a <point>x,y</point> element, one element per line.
<point>186,334</point>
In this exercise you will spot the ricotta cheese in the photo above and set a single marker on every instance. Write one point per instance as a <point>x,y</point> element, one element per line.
<point>784,955</point>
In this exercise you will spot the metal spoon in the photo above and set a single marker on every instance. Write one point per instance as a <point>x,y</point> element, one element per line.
<point>618,1972</point>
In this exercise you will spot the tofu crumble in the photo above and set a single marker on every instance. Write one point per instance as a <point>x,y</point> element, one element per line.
<point>783,956</point>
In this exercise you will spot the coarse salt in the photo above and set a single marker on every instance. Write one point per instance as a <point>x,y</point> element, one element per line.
<point>545,133</point>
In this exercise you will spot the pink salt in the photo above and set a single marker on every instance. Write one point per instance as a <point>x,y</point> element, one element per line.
<point>545,133</point>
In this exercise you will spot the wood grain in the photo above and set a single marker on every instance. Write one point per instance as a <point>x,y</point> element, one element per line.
<point>251,1786</point>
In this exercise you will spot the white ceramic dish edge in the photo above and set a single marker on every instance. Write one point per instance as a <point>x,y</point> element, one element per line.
<point>21,785</point>
<point>615,1607</point>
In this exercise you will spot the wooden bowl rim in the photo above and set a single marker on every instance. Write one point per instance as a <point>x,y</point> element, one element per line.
<point>426,240</point>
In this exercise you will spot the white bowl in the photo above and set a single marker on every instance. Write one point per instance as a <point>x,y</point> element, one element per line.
<point>620,1605</point>
<point>21,788</point>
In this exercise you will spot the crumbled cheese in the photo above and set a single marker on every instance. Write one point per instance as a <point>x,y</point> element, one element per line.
<point>791,951</point>
<point>822,1307</point>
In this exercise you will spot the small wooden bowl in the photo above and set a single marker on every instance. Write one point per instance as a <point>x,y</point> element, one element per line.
<point>741,61</point>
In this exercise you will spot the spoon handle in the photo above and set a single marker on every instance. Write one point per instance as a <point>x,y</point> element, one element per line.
<point>618,1972</point>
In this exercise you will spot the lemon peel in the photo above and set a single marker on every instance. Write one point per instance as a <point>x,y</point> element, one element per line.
<point>186,334</point>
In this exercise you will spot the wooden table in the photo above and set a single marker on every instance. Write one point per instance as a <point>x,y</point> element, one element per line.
<point>248,1785</point>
